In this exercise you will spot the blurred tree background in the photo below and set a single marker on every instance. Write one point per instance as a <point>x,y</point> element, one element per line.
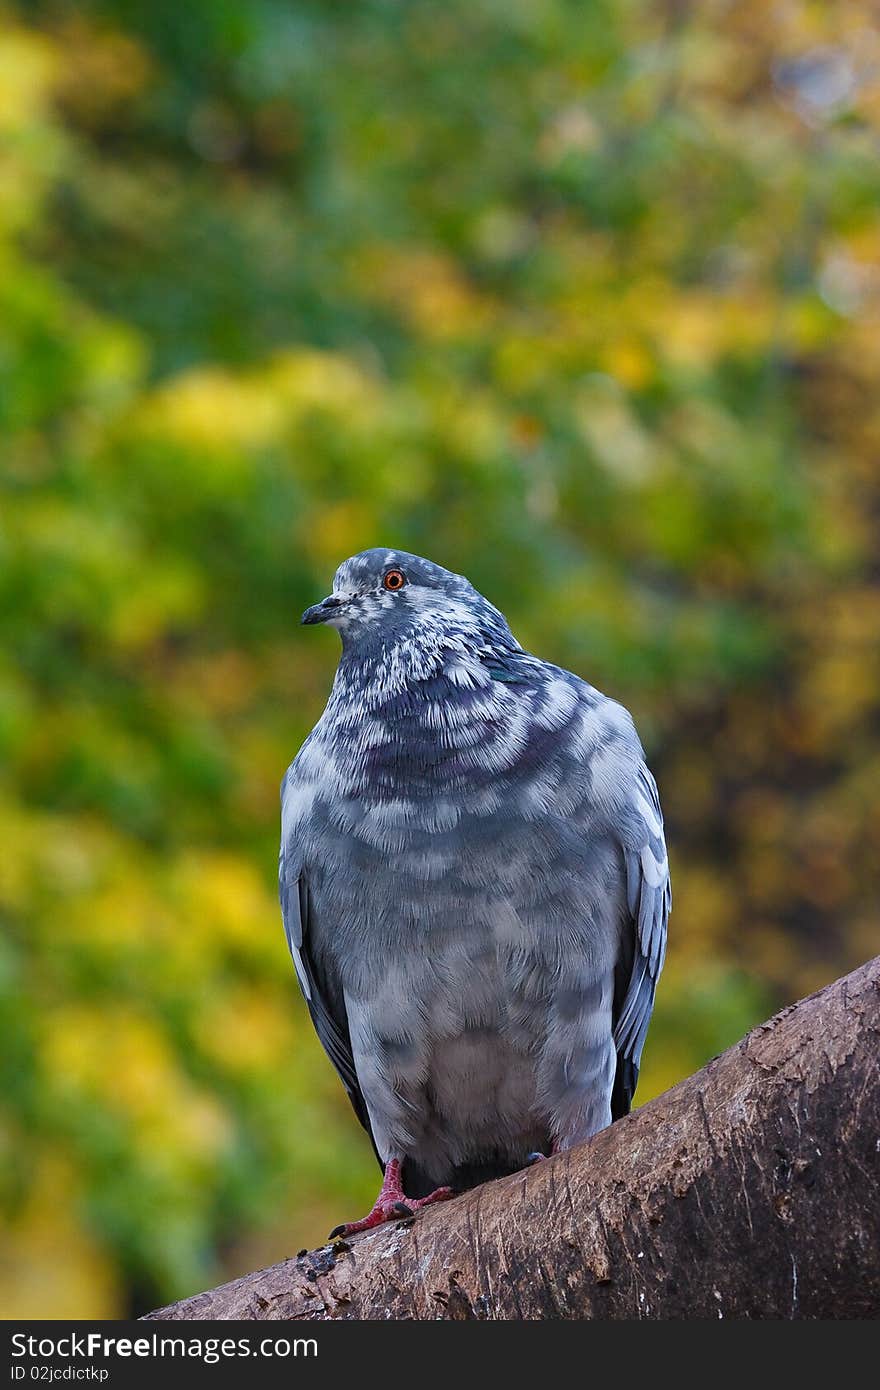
<point>582,299</point>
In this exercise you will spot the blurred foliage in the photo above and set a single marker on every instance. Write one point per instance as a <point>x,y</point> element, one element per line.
<point>582,300</point>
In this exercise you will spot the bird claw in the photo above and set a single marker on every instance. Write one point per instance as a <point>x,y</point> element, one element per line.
<point>395,1209</point>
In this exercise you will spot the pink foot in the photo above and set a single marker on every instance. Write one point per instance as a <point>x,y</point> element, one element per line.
<point>391,1204</point>
<point>536,1157</point>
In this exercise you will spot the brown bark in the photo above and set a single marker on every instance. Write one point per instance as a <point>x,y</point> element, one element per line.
<point>751,1190</point>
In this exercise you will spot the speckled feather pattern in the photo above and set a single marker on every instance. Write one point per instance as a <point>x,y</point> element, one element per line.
<point>473,879</point>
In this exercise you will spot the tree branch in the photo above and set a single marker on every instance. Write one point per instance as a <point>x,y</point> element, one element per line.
<point>751,1190</point>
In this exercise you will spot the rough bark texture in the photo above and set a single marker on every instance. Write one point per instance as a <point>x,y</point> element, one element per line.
<point>751,1190</point>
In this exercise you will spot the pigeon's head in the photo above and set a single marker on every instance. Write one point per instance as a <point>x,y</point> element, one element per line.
<point>381,597</point>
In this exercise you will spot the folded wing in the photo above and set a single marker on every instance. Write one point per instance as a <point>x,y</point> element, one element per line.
<point>325,1004</point>
<point>649,900</point>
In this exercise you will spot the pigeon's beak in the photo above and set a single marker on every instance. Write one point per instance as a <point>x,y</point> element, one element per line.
<point>322,612</point>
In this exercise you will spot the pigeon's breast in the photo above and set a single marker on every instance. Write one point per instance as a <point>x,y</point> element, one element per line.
<point>478,785</point>
<point>440,817</point>
<point>416,782</point>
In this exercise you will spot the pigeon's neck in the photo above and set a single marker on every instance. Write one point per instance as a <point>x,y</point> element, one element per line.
<point>460,654</point>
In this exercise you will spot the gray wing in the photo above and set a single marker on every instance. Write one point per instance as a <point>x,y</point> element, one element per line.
<point>325,1006</point>
<point>649,900</point>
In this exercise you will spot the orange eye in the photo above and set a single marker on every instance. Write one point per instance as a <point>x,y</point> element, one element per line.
<point>394,579</point>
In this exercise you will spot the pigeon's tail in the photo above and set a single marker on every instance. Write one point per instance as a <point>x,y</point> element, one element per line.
<point>417,1182</point>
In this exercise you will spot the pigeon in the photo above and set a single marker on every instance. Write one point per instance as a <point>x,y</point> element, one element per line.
<point>474,886</point>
